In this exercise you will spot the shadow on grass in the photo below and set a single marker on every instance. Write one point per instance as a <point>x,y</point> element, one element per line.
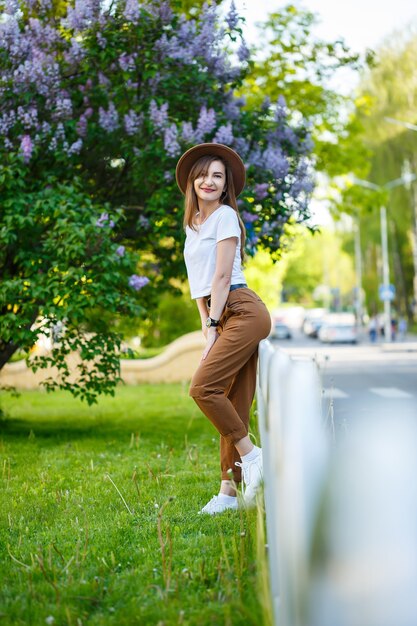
<point>151,411</point>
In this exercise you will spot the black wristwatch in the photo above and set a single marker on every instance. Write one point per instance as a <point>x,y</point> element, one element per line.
<point>211,322</point>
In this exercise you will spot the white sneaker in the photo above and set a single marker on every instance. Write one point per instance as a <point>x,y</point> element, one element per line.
<point>217,505</point>
<point>252,478</point>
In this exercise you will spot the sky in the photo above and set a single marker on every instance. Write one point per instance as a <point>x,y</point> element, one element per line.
<point>362,23</point>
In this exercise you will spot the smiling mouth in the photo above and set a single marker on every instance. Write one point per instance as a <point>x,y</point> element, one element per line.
<point>208,190</point>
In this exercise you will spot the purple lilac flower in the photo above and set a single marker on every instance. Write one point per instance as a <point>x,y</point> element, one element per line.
<point>187,132</point>
<point>255,158</point>
<point>204,41</point>
<point>11,7</point>
<point>243,53</point>
<point>206,123</point>
<point>26,148</point>
<point>103,80</point>
<point>76,52</point>
<point>109,120</point>
<point>171,144</point>
<point>232,106</point>
<point>160,10</point>
<point>104,220</point>
<point>7,121</point>
<point>132,11</point>
<point>249,218</point>
<point>81,126</point>
<point>63,108</point>
<point>101,40</point>
<point>127,62</point>
<point>306,145</point>
<point>266,104</point>
<point>168,176</point>
<point>224,134</point>
<point>137,282</point>
<point>132,122</point>
<point>41,34</point>
<point>275,161</point>
<point>75,148</point>
<point>232,18</point>
<point>158,116</point>
<point>261,190</point>
<point>281,109</point>
<point>241,146</point>
<point>83,14</point>
<point>120,251</point>
<point>143,221</point>
<point>60,131</point>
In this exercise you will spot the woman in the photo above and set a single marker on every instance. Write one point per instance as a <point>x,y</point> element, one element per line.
<point>233,318</point>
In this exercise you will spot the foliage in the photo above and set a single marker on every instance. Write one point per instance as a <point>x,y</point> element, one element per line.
<point>265,277</point>
<point>99,100</point>
<point>174,316</point>
<point>295,64</point>
<point>59,260</point>
<point>72,550</point>
<point>316,265</point>
<point>117,94</point>
<point>387,93</point>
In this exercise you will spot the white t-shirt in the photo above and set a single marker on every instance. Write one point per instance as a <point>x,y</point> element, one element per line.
<point>200,250</point>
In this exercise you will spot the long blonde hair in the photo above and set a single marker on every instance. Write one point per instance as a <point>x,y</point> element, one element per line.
<point>228,197</point>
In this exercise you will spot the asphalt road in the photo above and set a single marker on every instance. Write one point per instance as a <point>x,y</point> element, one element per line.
<point>366,379</point>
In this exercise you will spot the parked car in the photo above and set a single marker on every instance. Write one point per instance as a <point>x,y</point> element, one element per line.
<point>313,321</point>
<point>338,328</point>
<point>280,331</point>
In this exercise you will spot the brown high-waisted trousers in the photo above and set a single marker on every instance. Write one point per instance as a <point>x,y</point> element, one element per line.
<point>224,384</point>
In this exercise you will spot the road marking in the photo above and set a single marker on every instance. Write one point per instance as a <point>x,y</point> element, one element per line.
<point>390,392</point>
<point>333,392</point>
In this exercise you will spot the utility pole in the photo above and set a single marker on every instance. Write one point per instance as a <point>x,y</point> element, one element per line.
<point>358,271</point>
<point>385,273</point>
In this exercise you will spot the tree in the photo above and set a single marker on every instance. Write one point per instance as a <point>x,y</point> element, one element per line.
<point>98,102</point>
<point>300,67</point>
<point>60,260</point>
<point>387,91</point>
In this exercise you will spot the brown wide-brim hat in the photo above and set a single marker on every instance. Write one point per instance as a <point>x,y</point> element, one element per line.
<point>189,157</point>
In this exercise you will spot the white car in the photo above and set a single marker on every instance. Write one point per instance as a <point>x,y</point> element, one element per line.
<point>338,328</point>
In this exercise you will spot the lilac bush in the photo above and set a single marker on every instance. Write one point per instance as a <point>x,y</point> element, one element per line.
<point>86,85</point>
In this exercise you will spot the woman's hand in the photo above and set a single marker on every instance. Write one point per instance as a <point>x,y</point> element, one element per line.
<point>212,336</point>
<point>204,328</point>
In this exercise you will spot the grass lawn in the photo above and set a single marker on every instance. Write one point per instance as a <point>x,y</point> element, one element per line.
<point>98,515</point>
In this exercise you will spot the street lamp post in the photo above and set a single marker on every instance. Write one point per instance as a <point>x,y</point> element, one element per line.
<point>358,271</point>
<point>403,180</point>
<point>385,273</point>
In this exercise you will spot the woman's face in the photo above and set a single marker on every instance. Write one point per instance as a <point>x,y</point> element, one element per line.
<point>210,186</point>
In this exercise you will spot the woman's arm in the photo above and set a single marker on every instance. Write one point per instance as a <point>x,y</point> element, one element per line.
<point>203,310</point>
<point>226,250</point>
<point>220,286</point>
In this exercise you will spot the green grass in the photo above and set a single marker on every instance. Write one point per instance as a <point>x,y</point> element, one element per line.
<point>75,550</point>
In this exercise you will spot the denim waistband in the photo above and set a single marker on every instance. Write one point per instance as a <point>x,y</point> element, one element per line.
<point>232,288</point>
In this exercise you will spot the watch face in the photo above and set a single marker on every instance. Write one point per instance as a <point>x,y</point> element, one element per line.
<point>208,322</point>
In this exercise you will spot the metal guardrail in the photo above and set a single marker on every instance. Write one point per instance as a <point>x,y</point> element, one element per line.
<point>341,519</point>
<point>295,466</point>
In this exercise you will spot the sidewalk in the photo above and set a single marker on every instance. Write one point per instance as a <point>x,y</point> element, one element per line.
<point>407,344</point>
